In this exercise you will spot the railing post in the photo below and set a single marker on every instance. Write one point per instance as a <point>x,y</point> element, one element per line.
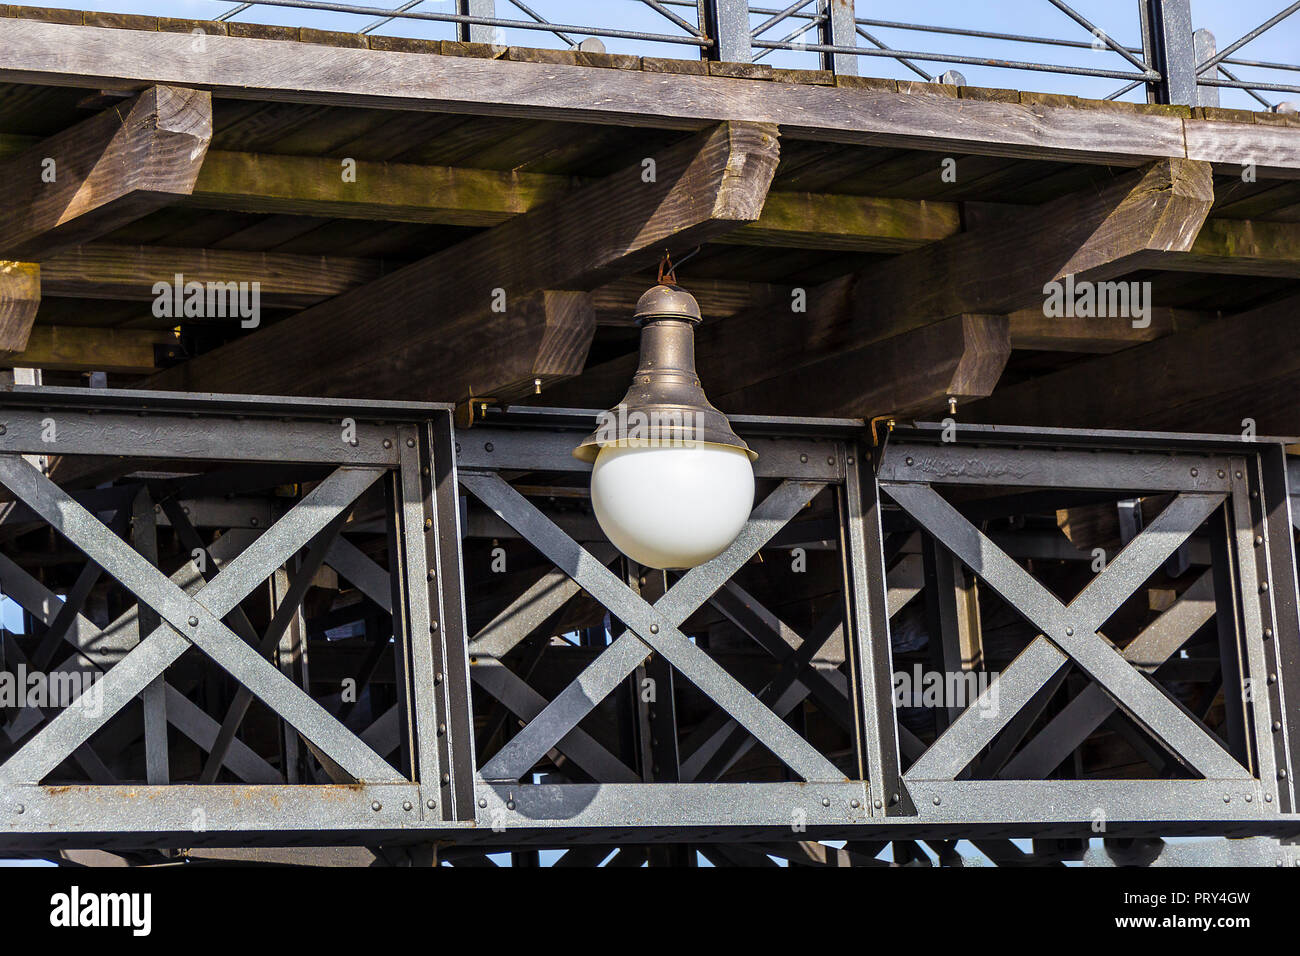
<point>1204,46</point>
<point>1167,40</point>
<point>477,32</point>
<point>726,22</point>
<point>839,29</point>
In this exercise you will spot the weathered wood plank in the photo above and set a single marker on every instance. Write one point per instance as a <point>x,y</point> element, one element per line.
<point>56,54</point>
<point>20,298</point>
<point>1206,380</point>
<point>101,173</point>
<point>73,348</point>
<point>379,339</point>
<point>108,271</point>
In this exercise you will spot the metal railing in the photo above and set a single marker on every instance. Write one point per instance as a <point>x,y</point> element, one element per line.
<point>1164,60</point>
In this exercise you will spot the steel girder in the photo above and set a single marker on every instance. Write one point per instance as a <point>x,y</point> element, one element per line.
<point>466,748</point>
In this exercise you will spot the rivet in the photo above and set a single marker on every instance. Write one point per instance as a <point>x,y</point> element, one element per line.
<point>1249,797</point>
<point>446,778</point>
<point>253,522</point>
<point>194,622</point>
<point>850,459</point>
<point>830,459</point>
<point>854,804</point>
<point>1263,587</point>
<point>510,804</point>
<point>1195,473</point>
<point>1227,798</point>
<point>907,461</point>
<point>1281,775</point>
<point>20,808</point>
<point>893,798</point>
<point>3,429</point>
<point>1268,632</point>
<point>376,806</point>
<point>1220,472</point>
<point>410,443</point>
<point>654,628</point>
<point>428,523</point>
<point>433,625</point>
<point>1272,678</point>
<point>487,446</point>
<point>482,803</point>
<point>1259,539</point>
<point>879,804</point>
<point>826,801</point>
<point>1069,632</point>
<point>937,801</point>
<point>437,677</point>
<point>442,729</point>
<point>430,574</point>
<point>388,443</point>
<point>1277,725</point>
<point>431,804</point>
<point>803,459</point>
<point>1268,798</point>
<point>406,805</point>
<point>1239,474</point>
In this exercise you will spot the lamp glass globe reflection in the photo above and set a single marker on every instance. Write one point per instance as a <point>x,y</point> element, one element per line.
<point>671,484</point>
<point>672,506</point>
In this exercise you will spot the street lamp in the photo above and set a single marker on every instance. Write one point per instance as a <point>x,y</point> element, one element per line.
<point>671,484</point>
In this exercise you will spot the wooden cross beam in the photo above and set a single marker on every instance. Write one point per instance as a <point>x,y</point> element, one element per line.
<point>104,172</point>
<point>1093,235</point>
<point>407,333</point>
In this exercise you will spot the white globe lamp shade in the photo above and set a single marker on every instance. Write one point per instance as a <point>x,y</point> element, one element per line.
<point>672,506</point>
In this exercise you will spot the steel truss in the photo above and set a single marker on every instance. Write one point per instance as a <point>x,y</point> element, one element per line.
<point>211,526</point>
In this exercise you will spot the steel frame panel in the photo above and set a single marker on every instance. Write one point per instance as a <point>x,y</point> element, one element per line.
<point>441,792</point>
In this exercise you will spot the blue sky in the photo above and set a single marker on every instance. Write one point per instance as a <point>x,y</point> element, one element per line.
<point>1228,19</point>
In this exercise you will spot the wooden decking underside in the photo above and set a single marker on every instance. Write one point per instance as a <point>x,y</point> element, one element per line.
<point>272,204</point>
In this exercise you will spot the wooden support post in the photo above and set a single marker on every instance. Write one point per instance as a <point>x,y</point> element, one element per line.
<point>104,172</point>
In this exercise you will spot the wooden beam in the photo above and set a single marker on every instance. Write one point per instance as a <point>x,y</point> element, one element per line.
<point>107,271</point>
<point>104,172</point>
<point>314,186</point>
<point>1206,380</point>
<point>377,340</point>
<point>910,374</point>
<point>246,68</point>
<point>1093,235</point>
<point>1241,247</point>
<point>73,348</point>
<point>20,297</point>
<point>1032,329</point>
<point>398,192</point>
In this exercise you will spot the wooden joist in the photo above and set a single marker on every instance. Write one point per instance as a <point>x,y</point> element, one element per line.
<point>103,172</point>
<point>1205,380</point>
<point>20,297</point>
<point>462,196</point>
<point>384,338</point>
<point>101,270</point>
<point>73,348</point>
<point>1093,235</point>
<point>1032,330</point>
<point>93,58</point>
